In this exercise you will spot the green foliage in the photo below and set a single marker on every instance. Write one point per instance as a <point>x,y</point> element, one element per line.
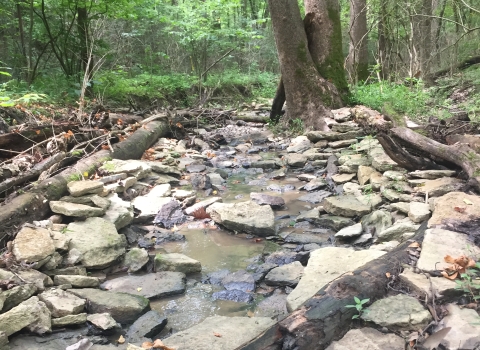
<point>470,282</point>
<point>358,305</point>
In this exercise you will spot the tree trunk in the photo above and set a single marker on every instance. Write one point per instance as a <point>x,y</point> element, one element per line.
<point>324,33</point>
<point>357,62</point>
<point>383,41</point>
<point>426,45</point>
<point>307,93</point>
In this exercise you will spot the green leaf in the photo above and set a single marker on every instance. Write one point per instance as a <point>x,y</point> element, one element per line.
<point>350,306</point>
<point>359,307</point>
<point>7,104</point>
<point>364,301</point>
<point>356,300</point>
<point>355,317</point>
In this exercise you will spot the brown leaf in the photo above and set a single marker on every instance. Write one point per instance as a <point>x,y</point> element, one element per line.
<point>472,306</point>
<point>121,340</point>
<point>250,313</point>
<point>147,345</point>
<point>414,245</point>
<point>436,338</point>
<point>388,274</point>
<point>218,335</point>
<point>449,259</point>
<point>460,209</point>
<point>450,277</point>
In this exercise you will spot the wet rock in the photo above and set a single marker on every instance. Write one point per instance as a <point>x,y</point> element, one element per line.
<point>177,262</point>
<point>432,174</point>
<point>262,270</point>
<point>306,177</point>
<point>31,314</point>
<point>333,222</point>
<point>442,186</point>
<point>151,286</point>
<point>104,322</point>
<point>120,212</point>
<point>350,231</point>
<point>274,306</point>
<point>286,275</point>
<point>61,303</point>
<point>77,281</point>
<point>348,206</point>
<point>75,210</point>
<point>310,215</point>
<point>465,330</point>
<point>233,295</point>
<point>147,326</point>
<point>203,204</point>
<point>324,265</point>
<point>305,238</point>
<point>438,243</point>
<point>396,231</point>
<point>283,258</point>
<point>32,245</point>
<point>265,199</point>
<point>246,217</point>
<point>363,239</point>
<point>69,320</point>
<point>315,184</point>
<point>98,242</point>
<point>123,307</point>
<point>315,197</point>
<point>368,339</point>
<point>135,259</point>
<point>444,212</point>
<point>80,188</point>
<point>239,280</point>
<point>438,287</point>
<point>296,160</point>
<point>216,277</point>
<point>419,212</point>
<point>14,296</point>
<point>234,331</point>
<point>377,221</point>
<point>399,312</point>
<point>170,213</point>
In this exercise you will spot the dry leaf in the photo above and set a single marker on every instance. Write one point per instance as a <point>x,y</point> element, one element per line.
<point>388,274</point>
<point>414,245</point>
<point>449,259</point>
<point>467,202</point>
<point>139,289</point>
<point>121,340</point>
<point>436,338</point>
<point>450,277</point>
<point>147,345</point>
<point>250,313</point>
<point>460,209</point>
<point>218,335</point>
<point>37,132</point>
<point>158,344</point>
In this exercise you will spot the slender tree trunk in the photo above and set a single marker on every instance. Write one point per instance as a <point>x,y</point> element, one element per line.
<point>357,62</point>
<point>383,41</point>
<point>307,93</point>
<point>324,32</point>
<point>426,45</point>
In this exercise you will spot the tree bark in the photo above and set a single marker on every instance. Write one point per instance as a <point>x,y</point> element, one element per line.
<point>357,62</point>
<point>383,46</point>
<point>307,93</point>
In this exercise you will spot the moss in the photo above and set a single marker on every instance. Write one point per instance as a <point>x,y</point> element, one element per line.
<point>476,173</point>
<point>332,67</point>
<point>396,117</point>
<point>74,177</point>
<point>108,166</point>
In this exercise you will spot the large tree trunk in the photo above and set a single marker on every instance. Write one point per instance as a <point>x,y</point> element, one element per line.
<point>357,62</point>
<point>307,93</point>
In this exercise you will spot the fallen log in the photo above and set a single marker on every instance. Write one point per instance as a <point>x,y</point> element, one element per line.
<point>34,205</point>
<point>251,117</point>
<point>324,317</point>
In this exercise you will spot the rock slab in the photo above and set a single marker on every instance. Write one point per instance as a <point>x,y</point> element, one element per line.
<point>368,339</point>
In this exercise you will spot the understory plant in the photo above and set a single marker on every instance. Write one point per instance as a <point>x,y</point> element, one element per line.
<point>470,282</point>
<point>358,305</point>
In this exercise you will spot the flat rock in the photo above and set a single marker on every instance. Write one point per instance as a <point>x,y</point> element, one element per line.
<point>75,210</point>
<point>385,246</point>
<point>177,262</point>
<point>324,265</point>
<point>444,212</point>
<point>419,212</point>
<point>395,175</point>
<point>381,161</point>
<point>170,213</point>
<point>32,314</point>
<point>195,168</point>
<point>299,144</point>
<point>103,321</point>
<point>123,307</point>
<point>398,312</point>
<point>465,330</point>
<point>438,287</point>
<point>363,174</point>
<point>234,332</point>
<point>286,275</point>
<point>14,296</point>
<point>296,160</point>
<point>39,279</point>
<point>305,238</point>
<point>396,231</point>
<point>98,242</point>
<point>202,204</point>
<point>246,217</point>
<point>77,281</point>
<point>348,206</point>
<point>239,280</point>
<point>309,215</point>
<point>342,178</point>
<point>135,259</point>
<point>368,339</point>
<point>61,303</point>
<point>342,114</point>
<point>120,212</point>
<point>80,188</point>
<point>265,164</point>
<point>147,326</point>
<point>438,243</point>
<point>235,295</point>
<point>403,207</point>
<point>274,306</point>
<point>342,143</point>
<point>350,231</point>
<point>306,177</point>
<point>151,286</point>
<point>265,199</point>
<point>432,174</point>
<point>69,320</point>
<point>333,222</point>
<point>315,184</point>
<point>315,197</point>
<point>442,186</point>
<point>150,204</point>
<point>32,244</point>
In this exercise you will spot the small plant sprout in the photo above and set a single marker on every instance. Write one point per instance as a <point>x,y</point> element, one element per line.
<point>358,305</point>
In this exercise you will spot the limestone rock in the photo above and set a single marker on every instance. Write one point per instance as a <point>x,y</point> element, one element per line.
<point>265,199</point>
<point>348,206</point>
<point>98,242</point>
<point>438,243</point>
<point>61,303</point>
<point>324,265</point>
<point>438,287</point>
<point>151,286</point>
<point>150,204</point>
<point>239,280</point>
<point>120,212</point>
<point>444,211</point>
<point>315,197</point>
<point>333,222</point>
<point>202,204</point>
<point>342,143</point>
<point>419,212</point>
<point>32,244</point>
<point>286,275</point>
<point>75,210</point>
<point>69,320</point>
<point>396,231</point>
<point>342,178</point>
<point>31,314</point>
<point>235,331</point>
<point>77,281</point>
<point>103,321</point>
<point>80,188</point>
<point>147,326</point>
<point>177,262</point>
<point>169,214</point>
<point>363,174</point>
<point>315,184</point>
<point>399,312</point>
<point>13,297</point>
<point>432,174</point>
<point>123,307</point>
<point>135,259</point>
<point>296,160</point>
<point>465,330</point>
<point>368,339</point>
<point>246,217</point>
<point>299,144</point>
<point>350,231</point>
<point>442,186</point>
<point>381,161</point>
